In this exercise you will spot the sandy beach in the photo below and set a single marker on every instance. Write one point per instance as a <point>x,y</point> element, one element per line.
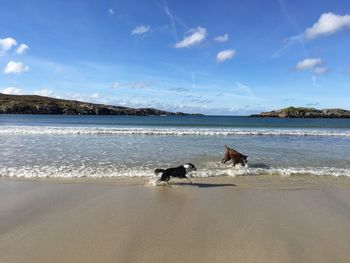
<point>242,219</point>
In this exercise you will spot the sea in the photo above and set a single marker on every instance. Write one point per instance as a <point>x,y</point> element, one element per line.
<point>58,146</point>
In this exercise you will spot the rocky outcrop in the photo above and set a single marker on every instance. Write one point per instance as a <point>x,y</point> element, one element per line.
<point>293,112</point>
<point>31,104</point>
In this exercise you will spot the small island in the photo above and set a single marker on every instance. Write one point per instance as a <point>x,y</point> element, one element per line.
<point>32,104</point>
<point>301,112</point>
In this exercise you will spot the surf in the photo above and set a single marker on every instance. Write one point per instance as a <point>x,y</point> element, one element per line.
<point>42,130</point>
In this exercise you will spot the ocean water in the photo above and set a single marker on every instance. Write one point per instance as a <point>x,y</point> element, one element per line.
<point>112,146</point>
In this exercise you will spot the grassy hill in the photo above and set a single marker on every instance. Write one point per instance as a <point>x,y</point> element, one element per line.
<point>32,104</point>
<point>301,112</point>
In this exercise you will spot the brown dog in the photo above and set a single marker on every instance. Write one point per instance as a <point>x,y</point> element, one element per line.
<point>236,157</point>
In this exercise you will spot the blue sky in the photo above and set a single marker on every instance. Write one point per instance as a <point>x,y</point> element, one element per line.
<point>213,57</point>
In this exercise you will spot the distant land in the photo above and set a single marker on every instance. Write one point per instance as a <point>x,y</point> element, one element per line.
<point>293,112</point>
<point>32,104</point>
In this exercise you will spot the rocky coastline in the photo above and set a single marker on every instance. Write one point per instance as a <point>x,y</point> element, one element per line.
<point>32,104</point>
<point>301,112</point>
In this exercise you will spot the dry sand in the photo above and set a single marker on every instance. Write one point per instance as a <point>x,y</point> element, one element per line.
<point>243,219</point>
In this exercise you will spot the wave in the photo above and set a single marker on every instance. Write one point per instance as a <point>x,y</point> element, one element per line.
<point>39,130</point>
<point>111,172</point>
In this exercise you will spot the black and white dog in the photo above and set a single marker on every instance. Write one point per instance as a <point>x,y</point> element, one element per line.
<point>179,172</point>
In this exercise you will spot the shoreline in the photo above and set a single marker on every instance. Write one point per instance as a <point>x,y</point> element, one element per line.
<point>250,181</point>
<point>221,219</point>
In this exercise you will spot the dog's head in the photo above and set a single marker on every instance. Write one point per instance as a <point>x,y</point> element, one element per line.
<point>190,167</point>
<point>244,159</point>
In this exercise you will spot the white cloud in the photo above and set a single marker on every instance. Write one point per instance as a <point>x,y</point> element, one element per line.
<point>44,92</point>
<point>12,91</point>
<point>309,63</point>
<point>319,70</point>
<point>6,44</point>
<point>225,55</point>
<point>223,38</point>
<point>316,65</point>
<point>22,48</point>
<point>137,85</point>
<point>328,24</point>
<point>243,89</point>
<point>130,85</point>
<point>195,37</point>
<point>95,96</point>
<point>116,85</point>
<point>91,98</point>
<point>140,30</point>
<point>15,67</point>
<point>110,11</point>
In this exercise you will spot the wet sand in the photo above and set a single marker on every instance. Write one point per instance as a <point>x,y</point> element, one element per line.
<point>242,219</point>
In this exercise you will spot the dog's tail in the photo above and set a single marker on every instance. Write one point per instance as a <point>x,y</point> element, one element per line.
<point>159,171</point>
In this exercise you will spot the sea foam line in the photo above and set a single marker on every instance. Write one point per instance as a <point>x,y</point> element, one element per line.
<point>39,130</point>
<point>71,171</point>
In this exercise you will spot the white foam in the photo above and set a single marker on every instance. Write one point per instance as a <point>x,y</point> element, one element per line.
<point>154,182</point>
<point>214,171</point>
<point>38,130</point>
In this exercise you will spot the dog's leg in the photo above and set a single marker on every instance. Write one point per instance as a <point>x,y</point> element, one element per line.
<point>224,160</point>
<point>164,178</point>
<point>167,179</point>
<point>188,178</point>
<point>234,163</point>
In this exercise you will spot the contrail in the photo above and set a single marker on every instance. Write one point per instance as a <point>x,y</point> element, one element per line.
<point>299,38</point>
<point>172,20</point>
<point>193,80</point>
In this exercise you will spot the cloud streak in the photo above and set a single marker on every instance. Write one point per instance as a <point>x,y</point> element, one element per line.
<point>297,39</point>
<point>225,55</point>
<point>172,20</point>
<point>221,39</point>
<point>12,91</point>
<point>111,11</point>
<point>320,70</point>
<point>195,37</point>
<point>22,49</point>
<point>44,92</point>
<point>140,30</point>
<point>243,89</point>
<point>130,85</point>
<point>179,89</point>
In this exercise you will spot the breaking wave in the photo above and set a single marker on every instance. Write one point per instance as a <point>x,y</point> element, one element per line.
<point>38,130</point>
<point>110,172</point>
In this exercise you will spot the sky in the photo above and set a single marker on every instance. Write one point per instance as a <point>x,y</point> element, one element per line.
<point>213,57</point>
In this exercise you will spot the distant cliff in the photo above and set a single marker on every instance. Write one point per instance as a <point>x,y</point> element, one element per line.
<point>31,104</point>
<point>293,112</point>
